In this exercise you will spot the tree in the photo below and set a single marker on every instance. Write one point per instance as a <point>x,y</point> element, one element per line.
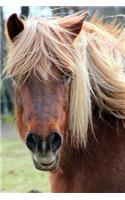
<point>24,11</point>
<point>65,10</point>
<point>6,89</point>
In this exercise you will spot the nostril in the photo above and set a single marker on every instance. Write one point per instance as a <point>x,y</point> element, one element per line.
<point>32,141</point>
<point>55,141</point>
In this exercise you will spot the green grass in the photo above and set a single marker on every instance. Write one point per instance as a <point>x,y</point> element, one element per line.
<point>17,169</point>
<point>8,118</point>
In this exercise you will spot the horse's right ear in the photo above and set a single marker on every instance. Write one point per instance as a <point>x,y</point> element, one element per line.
<point>73,23</point>
<point>14,26</point>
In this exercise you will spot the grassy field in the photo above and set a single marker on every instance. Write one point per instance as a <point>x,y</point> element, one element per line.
<point>17,170</point>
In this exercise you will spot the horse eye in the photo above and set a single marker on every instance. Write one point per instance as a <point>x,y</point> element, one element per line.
<point>66,78</point>
<point>14,80</point>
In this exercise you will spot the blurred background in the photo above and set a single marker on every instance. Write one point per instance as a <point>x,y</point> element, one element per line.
<point>17,173</point>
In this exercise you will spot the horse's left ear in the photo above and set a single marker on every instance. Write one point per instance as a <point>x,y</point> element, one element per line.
<point>74,24</point>
<point>14,26</point>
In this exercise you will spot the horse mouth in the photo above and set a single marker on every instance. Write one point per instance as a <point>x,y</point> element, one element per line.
<point>47,167</point>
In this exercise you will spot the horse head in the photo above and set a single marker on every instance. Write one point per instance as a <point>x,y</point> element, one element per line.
<point>42,104</point>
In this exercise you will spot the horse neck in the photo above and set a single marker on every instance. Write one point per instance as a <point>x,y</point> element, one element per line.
<point>104,124</point>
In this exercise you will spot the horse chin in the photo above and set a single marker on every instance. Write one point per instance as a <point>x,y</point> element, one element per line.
<point>52,167</point>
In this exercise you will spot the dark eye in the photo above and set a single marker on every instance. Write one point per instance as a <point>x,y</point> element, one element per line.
<point>66,78</point>
<point>13,78</point>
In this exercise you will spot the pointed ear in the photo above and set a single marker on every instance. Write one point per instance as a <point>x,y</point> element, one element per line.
<point>14,26</point>
<point>74,24</point>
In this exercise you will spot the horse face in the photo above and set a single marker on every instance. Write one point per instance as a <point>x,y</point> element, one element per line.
<point>43,117</point>
<point>42,107</point>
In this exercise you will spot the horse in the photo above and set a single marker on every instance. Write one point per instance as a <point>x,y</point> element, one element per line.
<point>69,83</point>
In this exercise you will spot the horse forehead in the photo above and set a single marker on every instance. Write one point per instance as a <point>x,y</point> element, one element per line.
<point>38,90</point>
<point>45,73</point>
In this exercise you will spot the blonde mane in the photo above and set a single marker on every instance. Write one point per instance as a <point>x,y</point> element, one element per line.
<point>96,60</point>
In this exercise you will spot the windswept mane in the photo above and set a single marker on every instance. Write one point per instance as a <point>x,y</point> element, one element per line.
<point>96,60</point>
<point>41,42</point>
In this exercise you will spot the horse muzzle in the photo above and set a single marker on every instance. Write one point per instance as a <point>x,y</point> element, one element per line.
<point>50,166</point>
<point>45,152</point>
